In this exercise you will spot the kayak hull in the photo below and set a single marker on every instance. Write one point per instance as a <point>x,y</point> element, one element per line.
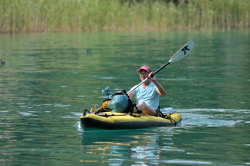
<point>117,121</point>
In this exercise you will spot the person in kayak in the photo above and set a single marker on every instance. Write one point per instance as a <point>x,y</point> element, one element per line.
<point>147,95</point>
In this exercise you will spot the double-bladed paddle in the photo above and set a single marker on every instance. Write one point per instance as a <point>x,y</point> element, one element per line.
<point>181,53</point>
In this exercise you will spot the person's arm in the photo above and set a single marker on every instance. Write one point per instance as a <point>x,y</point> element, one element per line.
<point>160,88</point>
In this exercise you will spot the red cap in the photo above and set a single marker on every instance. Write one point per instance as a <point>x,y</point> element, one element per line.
<point>144,68</point>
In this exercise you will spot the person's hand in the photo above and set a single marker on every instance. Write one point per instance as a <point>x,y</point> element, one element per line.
<point>152,78</point>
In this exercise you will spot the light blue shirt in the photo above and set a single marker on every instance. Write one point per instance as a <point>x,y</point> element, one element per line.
<point>148,95</point>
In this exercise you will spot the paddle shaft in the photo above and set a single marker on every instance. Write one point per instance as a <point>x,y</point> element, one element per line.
<point>160,69</point>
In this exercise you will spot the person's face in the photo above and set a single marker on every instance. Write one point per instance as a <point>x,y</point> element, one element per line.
<point>143,74</point>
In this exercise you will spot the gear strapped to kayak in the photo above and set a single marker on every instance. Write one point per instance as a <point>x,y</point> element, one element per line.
<point>118,101</point>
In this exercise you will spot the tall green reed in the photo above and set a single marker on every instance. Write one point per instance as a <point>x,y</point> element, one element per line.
<point>112,15</point>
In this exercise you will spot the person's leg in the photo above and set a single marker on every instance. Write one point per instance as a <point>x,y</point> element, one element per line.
<point>146,109</point>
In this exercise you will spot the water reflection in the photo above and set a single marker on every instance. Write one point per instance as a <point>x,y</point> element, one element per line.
<point>144,146</point>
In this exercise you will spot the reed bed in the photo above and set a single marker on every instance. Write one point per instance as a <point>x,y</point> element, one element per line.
<point>117,15</point>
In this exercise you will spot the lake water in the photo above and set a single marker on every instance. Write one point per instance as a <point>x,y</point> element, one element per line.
<point>48,80</point>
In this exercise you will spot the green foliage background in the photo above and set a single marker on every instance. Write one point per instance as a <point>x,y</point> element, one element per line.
<point>121,15</point>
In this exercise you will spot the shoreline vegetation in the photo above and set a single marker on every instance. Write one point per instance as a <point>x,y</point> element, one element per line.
<point>21,16</point>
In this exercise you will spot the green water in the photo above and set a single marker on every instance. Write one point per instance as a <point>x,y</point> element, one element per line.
<point>48,79</point>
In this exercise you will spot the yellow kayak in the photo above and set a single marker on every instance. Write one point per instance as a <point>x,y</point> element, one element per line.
<point>114,120</point>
